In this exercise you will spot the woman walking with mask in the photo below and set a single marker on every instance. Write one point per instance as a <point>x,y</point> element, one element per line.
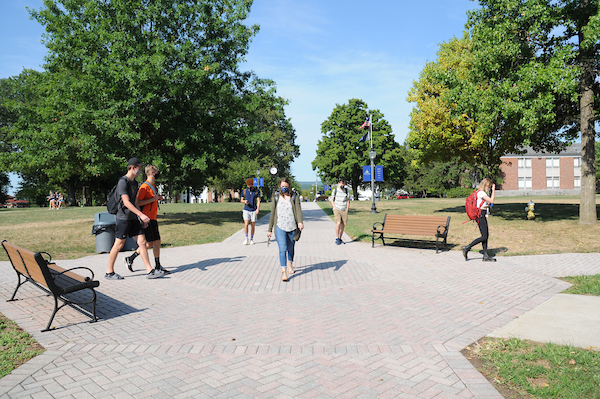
<point>483,203</point>
<point>286,216</point>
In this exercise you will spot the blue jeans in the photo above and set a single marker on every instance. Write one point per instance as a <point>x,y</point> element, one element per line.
<point>285,242</point>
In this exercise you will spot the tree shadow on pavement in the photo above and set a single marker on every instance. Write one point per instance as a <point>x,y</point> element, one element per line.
<point>336,265</point>
<point>205,264</point>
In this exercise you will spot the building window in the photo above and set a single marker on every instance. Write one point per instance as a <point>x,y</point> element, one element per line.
<point>552,163</point>
<point>524,163</point>
<point>524,183</point>
<point>577,182</point>
<point>577,162</point>
<point>552,182</point>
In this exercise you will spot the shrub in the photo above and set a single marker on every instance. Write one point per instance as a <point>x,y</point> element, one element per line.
<point>458,192</point>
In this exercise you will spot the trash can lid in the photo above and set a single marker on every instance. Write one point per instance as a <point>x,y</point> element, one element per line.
<point>103,218</point>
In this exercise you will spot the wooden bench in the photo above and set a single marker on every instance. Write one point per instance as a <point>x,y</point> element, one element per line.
<point>53,279</point>
<point>436,226</point>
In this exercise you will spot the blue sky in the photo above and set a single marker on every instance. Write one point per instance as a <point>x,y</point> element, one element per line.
<point>319,52</point>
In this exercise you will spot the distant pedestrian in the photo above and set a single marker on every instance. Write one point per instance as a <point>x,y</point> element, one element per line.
<point>51,200</point>
<point>483,202</point>
<point>340,202</point>
<point>148,199</point>
<point>130,221</point>
<point>60,202</point>
<point>286,217</point>
<point>251,199</point>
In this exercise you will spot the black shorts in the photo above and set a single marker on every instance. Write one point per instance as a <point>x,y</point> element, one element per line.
<point>151,232</point>
<point>128,228</point>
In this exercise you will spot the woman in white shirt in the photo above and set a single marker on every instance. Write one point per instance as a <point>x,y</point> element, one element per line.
<point>483,203</point>
<point>286,216</point>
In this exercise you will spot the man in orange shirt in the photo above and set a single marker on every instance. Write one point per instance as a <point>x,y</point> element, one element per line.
<point>148,198</point>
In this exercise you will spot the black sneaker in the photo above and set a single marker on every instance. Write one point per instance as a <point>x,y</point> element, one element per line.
<point>129,263</point>
<point>487,258</point>
<point>338,241</point>
<point>465,251</point>
<point>162,269</point>
<point>155,273</point>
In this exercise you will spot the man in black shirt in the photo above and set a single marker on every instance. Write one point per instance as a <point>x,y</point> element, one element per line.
<point>130,221</point>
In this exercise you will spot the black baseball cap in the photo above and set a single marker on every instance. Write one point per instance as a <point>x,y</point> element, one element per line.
<point>134,161</point>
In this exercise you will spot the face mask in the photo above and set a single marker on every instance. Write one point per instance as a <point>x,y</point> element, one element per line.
<point>285,190</point>
<point>138,172</point>
<point>156,174</point>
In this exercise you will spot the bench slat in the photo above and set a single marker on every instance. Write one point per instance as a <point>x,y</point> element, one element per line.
<point>33,268</point>
<point>13,256</point>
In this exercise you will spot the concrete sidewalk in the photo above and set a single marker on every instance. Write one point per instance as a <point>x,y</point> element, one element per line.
<point>353,321</point>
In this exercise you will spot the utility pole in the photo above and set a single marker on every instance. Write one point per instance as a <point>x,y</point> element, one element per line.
<point>372,155</point>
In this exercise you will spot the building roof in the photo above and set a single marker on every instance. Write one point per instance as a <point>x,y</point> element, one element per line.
<point>574,150</point>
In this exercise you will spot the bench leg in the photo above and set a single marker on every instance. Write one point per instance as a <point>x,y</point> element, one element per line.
<point>19,284</point>
<point>94,308</point>
<point>53,314</point>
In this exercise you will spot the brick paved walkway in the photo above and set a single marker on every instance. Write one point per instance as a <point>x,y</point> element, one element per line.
<point>353,322</point>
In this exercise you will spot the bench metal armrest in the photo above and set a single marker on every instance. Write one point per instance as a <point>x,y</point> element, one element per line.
<point>49,260</point>
<point>375,226</point>
<point>75,268</point>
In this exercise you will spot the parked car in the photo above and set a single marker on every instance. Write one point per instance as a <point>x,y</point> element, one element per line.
<point>400,196</point>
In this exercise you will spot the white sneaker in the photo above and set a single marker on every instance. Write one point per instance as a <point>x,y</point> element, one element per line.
<point>251,242</point>
<point>245,242</point>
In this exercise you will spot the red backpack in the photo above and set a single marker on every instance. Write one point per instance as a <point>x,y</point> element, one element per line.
<point>471,206</point>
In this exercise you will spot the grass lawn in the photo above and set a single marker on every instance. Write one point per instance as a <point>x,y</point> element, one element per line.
<point>16,346</point>
<point>554,230</point>
<point>524,369</point>
<point>66,233</point>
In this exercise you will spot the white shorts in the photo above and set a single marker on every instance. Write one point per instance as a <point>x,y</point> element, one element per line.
<point>249,215</point>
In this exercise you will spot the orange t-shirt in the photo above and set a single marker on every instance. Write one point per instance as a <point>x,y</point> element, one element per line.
<point>145,192</point>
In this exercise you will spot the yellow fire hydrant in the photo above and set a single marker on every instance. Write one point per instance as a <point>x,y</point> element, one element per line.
<point>530,208</point>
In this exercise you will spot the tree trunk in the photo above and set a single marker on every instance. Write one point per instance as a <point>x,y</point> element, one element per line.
<point>83,197</point>
<point>355,189</point>
<point>71,193</point>
<point>587,207</point>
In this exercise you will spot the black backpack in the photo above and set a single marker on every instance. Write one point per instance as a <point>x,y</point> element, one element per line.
<point>114,201</point>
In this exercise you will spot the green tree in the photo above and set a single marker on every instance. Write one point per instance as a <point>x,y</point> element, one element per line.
<point>461,112</point>
<point>158,80</point>
<point>4,186</point>
<point>436,177</point>
<point>270,140</point>
<point>340,152</point>
<point>541,57</point>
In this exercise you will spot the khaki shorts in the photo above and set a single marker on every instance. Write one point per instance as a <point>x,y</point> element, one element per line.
<point>340,216</point>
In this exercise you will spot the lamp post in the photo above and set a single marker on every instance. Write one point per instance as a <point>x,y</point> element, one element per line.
<point>372,155</point>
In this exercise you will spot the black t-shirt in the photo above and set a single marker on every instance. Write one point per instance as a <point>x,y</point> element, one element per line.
<point>129,187</point>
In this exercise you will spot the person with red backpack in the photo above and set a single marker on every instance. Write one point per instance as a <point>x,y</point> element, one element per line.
<point>483,204</point>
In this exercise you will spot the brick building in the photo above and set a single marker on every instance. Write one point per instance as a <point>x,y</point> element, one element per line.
<point>534,173</point>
